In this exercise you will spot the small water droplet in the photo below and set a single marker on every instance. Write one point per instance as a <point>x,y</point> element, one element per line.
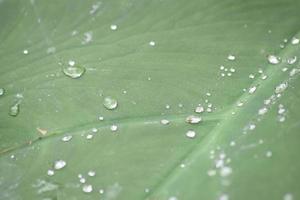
<point>89,136</point>
<point>193,119</point>
<point>25,51</point>
<point>262,111</point>
<point>264,77</point>
<point>231,57</point>
<point>164,121</point>
<point>92,173</point>
<point>274,60</point>
<point>113,27</point>
<point>224,197</point>
<point>110,103</point>
<point>152,43</point>
<point>252,90</point>
<point>50,172</point>
<point>101,191</point>
<point>2,91</point>
<point>113,128</point>
<point>222,67</point>
<point>87,188</point>
<point>288,196</point>
<point>14,109</point>
<point>251,76</point>
<point>59,164</point>
<point>232,70</point>
<point>269,154</point>
<point>101,118</point>
<point>190,134</point>
<point>199,109</point>
<point>66,138</point>
<point>211,172</point>
<point>225,171</point>
<point>73,70</point>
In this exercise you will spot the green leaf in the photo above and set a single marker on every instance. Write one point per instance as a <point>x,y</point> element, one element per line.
<point>137,62</point>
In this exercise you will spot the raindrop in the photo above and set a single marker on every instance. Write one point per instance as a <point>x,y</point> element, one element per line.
<point>59,164</point>
<point>14,109</point>
<point>252,90</point>
<point>193,119</point>
<point>273,59</point>
<point>25,51</point>
<point>66,138</point>
<point>110,103</point>
<point>190,134</point>
<point>87,188</point>
<point>73,70</point>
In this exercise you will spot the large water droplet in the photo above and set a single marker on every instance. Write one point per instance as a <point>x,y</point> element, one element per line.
<point>273,59</point>
<point>59,164</point>
<point>110,103</point>
<point>14,109</point>
<point>73,70</point>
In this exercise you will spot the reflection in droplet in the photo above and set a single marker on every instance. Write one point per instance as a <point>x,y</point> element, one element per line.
<point>73,70</point>
<point>193,119</point>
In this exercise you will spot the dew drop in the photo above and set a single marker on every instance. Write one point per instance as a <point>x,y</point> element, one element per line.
<point>25,51</point>
<point>269,154</point>
<point>152,43</point>
<point>193,119</point>
<point>211,172</point>
<point>225,171</point>
<point>101,191</point>
<point>251,76</point>
<point>274,60</point>
<point>66,138</point>
<point>59,164</point>
<point>87,188</point>
<point>264,77</point>
<point>252,90</point>
<point>281,87</point>
<point>110,103</point>
<point>190,134</point>
<point>262,111</point>
<point>89,136</point>
<point>101,118</point>
<point>288,196</point>
<point>73,70</point>
<point>292,60</point>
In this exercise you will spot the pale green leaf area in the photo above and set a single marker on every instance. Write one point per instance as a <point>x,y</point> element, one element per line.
<point>157,60</point>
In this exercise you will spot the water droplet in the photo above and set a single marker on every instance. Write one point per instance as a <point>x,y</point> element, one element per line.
<point>199,109</point>
<point>101,118</point>
<point>273,59</point>
<point>281,87</point>
<point>101,191</point>
<point>231,57</point>
<point>2,91</point>
<point>193,119</point>
<point>292,60</point>
<point>264,77</point>
<point>232,143</point>
<point>295,40</point>
<point>252,90</point>
<point>281,118</point>
<point>59,164</point>
<point>113,27</point>
<point>89,136</point>
<point>87,37</point>
<point>71,63</point>
<point>172,198</point>
<point>168,106</point>
<point>87,188</point>
<point>92,173</point>
<point>232,70</point>
<point>82,180</point>
<point>294,71</point>
<point>113,128</point>
<point>222,67</point>
<point>269,154</point>
<point>224,197</point>
<point>50,172</point>
<point>110,103</point>
<point>211,172</point>
<point>25,51</point>
<point>225,171</point>
<point>190,134</point>
<point>152,43</point>
<point>73,70</point>
<point>251,76</point>
<point>164,121</point>
<point>14,109</point>
<point>66,138</point>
